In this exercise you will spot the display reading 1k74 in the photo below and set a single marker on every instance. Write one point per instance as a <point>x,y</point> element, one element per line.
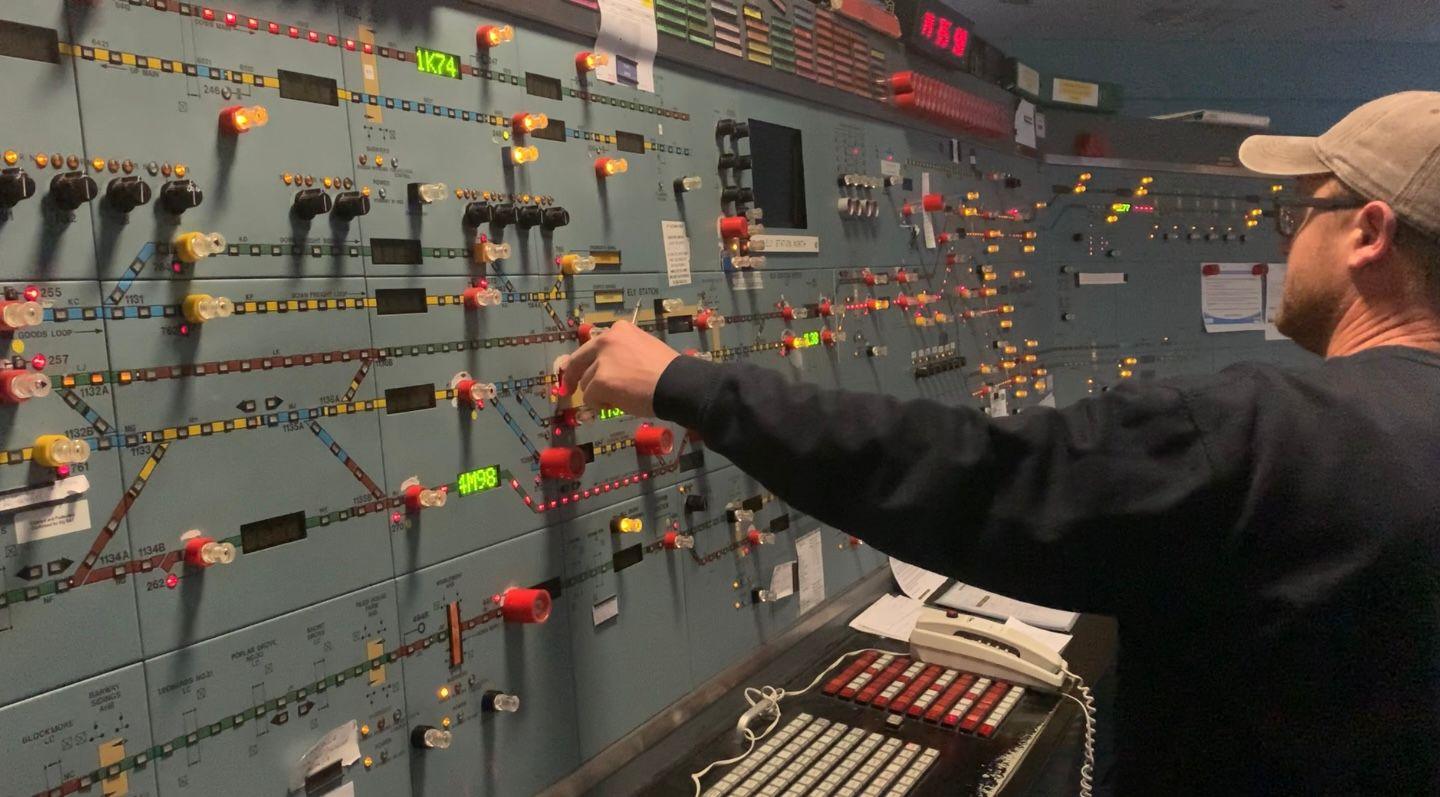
<point>434,62</point>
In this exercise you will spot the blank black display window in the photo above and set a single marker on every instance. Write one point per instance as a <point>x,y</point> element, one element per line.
<point>778,175</point>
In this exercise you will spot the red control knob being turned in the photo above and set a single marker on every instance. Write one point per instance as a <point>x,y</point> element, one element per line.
<point>587,331</point>
<point>562,463</point>
<point>653,440</point>
<point>18,385</point>
<point>525,605</point>
<point>734,227</point>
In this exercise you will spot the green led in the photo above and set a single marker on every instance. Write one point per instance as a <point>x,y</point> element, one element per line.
<point>1120,207</point>
<point>608,413</point>
<point>434,62</point>
<point>811,338</point>
<point>478,481</point>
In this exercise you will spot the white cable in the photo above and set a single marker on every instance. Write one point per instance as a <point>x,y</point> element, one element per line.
<point>1087,709</point>
<point>773,695</point>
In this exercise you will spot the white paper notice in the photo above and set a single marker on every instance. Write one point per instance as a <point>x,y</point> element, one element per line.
<point>1232,297</point>
<point>916,582</point>
<point>892,616</point>
<point>987,604</point>
<point>1025,124</point>
<point>52,521</point>
<point>341,744</point>
<point>627,35</point>
<point>809,553</point>
<point>677,252</point>
<point>782,580</point>
<point>605,610</point>
<point>1050,640</point>
<point>1274,290</point>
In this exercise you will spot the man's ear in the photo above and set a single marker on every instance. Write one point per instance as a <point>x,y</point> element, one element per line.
<point>1373,235</point>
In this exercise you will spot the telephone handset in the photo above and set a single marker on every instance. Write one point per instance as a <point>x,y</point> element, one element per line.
<point>984,647</point>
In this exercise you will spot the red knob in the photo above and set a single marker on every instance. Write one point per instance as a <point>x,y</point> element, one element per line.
<point>902,276</point>
<point>791,341</point>
<point>855,542</point>
<point>708,319</point>
<point>193,546</point>
<point>521,605</point>
<point>869,277</point>
<point>734,227</point>
<point>654,440</point>
<point>757,537</point>
<point>825,308</point>
<point>933,202</point>
<point>872,305</point>
<point>671,540</point>
<point>466,393</point>
<point>787,312</point>
<point>942,238</point>
<point>585,332</point>
<point>902,82</point>
<point>18,385</point>
<point>903,301</point>
<point>562,462</point>
<point>827,337</point>
<point>962,291</point>
<point>907,209</point>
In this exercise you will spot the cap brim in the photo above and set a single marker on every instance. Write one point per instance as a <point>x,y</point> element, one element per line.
<point>1281,156</point>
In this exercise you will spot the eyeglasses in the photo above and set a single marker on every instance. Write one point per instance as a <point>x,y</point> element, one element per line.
<point>1291,214</point>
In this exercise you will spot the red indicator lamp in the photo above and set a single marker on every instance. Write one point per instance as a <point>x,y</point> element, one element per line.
<point>239,119</point>
<point>586,61</point>
<point>525,605</point>
<point>941,31</point>
<point>487,36</point>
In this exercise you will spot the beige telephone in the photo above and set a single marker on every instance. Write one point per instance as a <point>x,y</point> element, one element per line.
<point>984,647</point>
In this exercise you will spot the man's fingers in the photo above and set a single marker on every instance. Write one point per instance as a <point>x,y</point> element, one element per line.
<point>580,361</point>
<point>586,379</point>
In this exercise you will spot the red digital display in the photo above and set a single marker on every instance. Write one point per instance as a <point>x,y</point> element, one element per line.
<point>940,32</point>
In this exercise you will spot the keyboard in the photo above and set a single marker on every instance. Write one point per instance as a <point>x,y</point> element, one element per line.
<point>816,757</point>
<point>946,697</point>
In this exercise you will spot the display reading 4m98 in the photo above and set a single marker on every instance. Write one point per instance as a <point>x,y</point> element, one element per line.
<point>941,33</point>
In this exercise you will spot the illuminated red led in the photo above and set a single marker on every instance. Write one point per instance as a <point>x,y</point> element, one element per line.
<point>31,293</point>
<point>207,14</point>
<point>252,23</point>
<point>275,28</point>
<point>38,362</point>
<point>294,33</point>
<point>172,581</point>
<point>350,45</point>
<point>368,48</point>
<point>184,329</point>
<point>313,36</point>
<point>231,19</point>
<point>62,470</point>
<point>332,40</point>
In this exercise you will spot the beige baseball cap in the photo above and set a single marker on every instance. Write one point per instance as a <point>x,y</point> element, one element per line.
<point>1387,149</point>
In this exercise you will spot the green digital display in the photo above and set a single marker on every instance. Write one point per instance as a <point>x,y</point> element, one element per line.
<point>811,338</point>
<point>478,481</point>
<point>608,413</point>
<point>434,62</point>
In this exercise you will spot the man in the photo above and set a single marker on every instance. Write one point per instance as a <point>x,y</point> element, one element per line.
<point>1268,539</point>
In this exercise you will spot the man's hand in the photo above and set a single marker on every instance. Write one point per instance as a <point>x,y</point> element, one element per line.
<point>619,368</point>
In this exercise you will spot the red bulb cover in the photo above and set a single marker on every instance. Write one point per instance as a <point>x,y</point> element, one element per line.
<point>734,227</point>
<point>562,462</point>
<point>755,537</point>
<point>788,313</point>
<point>654,440</point>
<point>671,540</point>
<point>525,605</point>
<point>412,497</point>
<point>464,391</point>
<point>933,203</point>
<point>584,332</point>
<point>825,308</point>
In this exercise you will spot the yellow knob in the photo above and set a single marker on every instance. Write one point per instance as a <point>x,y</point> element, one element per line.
<point>201,307</point>
<point>54,450</point>
<point>192,247</point>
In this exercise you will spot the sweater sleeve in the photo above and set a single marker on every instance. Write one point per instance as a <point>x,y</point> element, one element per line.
<point>1111,499</point>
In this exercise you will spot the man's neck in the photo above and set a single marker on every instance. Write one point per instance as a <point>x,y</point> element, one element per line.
<point>1363,327</point>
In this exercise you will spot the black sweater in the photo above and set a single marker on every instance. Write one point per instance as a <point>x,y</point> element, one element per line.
<point>1268,539</point>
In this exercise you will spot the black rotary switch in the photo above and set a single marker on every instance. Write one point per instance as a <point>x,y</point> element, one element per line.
<point>730,160</point>
<point>127,193</point>
<point>504,214</point>
<point>528,216</point>
<point>732,128</point>
<point>350,204</point>
<point>311,203</point>
<point>738,194</point>
<point>72,189</point>
<point>555,217</point>
<point>179,196</point>
<point>477,213</point>
<point>15,185</point>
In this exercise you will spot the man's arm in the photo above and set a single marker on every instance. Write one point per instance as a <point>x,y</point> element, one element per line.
<point>1082,507</point>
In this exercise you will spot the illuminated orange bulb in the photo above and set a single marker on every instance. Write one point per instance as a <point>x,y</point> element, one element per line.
<point>11,157</point>
<point>239,119</point>
<point>488,36</point>
<point>1028,249</point>
<point>1252,223</point>
<point>1126,374</point>
<point>1276,188</point>
<point>522,155</point>
<point>443,693</point>
<point>1146,180</point>
<point>1256,213</point>
<point>1017,274</point>
<point>993,234</point>
<point>1029,358</point>
<point>1111,219</point>
<point>1007,324</point>
<point>1079,189</point>
<point>587,61</point>
<point>1130,361</point>
<point>530,122</point>
<point>1142,191</point>
<point>1085,177</point>
<point>992,249</point>
<point>609,167</point>
<point>1039,372</point>
<point>1007,308</point>
<point>971,196</point>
